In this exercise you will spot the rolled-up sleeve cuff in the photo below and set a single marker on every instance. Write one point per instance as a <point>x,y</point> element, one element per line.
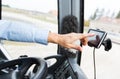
<point>41,36</point>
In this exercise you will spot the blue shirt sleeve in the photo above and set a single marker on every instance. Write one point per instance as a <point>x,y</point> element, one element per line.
<point>22,32</point>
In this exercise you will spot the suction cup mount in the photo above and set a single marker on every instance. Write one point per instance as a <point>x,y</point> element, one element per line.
<point>107,44</point>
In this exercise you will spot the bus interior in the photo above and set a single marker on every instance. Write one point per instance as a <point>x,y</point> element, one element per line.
<point>54,61</point>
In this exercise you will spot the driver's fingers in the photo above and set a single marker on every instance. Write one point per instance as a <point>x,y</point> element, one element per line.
<point>86,35</point>
<point>84,41</point>
<point>77,47</point>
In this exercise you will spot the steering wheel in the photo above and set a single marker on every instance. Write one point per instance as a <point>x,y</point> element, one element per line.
<point>23,64</point>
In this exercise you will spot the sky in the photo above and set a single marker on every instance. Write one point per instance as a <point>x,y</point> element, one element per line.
<point>46,5</point>
<point>110,6</point>
<point>38,5</point>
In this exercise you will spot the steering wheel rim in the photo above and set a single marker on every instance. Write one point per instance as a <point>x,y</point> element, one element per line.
<point>25,63</point>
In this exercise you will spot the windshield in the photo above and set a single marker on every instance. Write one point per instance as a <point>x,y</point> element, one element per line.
<point>42,13</point>
<point>103,15</point>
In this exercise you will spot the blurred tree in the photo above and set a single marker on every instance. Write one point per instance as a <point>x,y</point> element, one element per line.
<point>86,23</point>
<point>93,17</point>
<point>118,15</point>
<point>113,15</point>
<point>97,14</point>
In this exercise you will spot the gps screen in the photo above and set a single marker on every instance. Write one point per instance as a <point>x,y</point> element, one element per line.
<point>97,39</point>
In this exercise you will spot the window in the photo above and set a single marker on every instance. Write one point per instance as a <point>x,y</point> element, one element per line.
<point>103,15</point>
<point>42,13</point>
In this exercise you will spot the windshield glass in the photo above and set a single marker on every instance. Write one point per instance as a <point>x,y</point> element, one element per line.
<point>103,15</point>
<point>42,13</point>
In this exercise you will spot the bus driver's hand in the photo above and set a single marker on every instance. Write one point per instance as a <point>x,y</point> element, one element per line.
<point>67,40</point>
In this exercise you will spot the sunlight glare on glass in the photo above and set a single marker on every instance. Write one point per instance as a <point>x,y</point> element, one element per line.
<point>38,5</point>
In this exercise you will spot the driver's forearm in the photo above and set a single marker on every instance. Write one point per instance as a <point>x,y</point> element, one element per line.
<point>22,32</point>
